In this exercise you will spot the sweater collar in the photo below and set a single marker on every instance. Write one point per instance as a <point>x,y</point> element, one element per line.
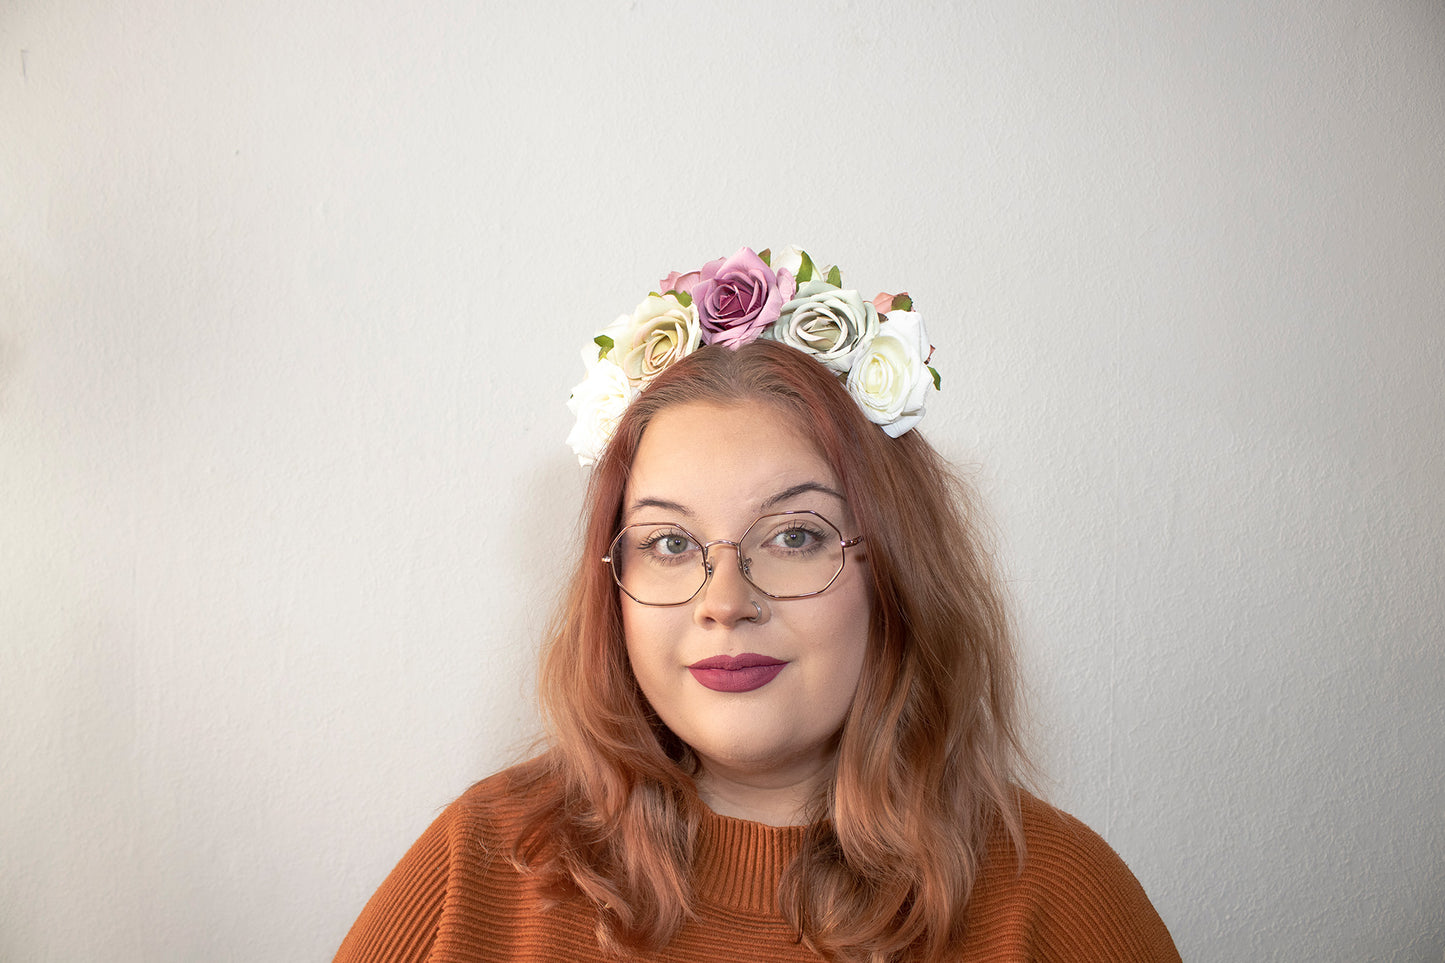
<point>738,863</point>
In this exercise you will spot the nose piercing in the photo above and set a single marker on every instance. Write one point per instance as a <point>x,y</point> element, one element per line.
<point>758,613</point>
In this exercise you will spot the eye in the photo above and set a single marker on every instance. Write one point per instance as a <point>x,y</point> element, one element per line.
<point>797,538</point>
<point>665,544</point>
<point>672,544</point>
<point>793,538</point>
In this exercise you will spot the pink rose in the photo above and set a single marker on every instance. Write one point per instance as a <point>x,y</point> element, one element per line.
<point>738,297</point>
<point>681,283</point>
<point>888,302</point>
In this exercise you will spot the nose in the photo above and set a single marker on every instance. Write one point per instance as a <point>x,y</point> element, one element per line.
<point>727,597</point>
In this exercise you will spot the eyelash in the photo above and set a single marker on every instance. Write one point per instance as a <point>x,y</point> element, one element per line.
<point>658,536</point>
<point>817,536</point>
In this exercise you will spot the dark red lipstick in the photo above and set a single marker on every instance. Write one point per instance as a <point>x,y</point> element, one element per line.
<point>737,673</point>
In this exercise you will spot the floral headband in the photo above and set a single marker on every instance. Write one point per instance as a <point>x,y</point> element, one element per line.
<point>878,348</point>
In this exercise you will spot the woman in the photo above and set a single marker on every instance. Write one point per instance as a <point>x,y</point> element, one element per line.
<point>781,692</point>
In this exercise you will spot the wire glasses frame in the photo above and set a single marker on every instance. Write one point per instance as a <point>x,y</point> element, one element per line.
<point>615,554</point>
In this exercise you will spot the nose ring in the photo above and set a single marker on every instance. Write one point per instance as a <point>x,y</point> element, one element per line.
<point>757,613</point>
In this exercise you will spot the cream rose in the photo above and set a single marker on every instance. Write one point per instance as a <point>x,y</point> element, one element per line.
<point>660,332</point>
<point>598,402</point>
<point>827,323</point>
<point>890,377</point>
<point>790,259</point>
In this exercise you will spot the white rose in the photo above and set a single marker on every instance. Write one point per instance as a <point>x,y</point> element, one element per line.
<point>889,378</point>
<point>660,332</point>
<point>828,323</point>
<point>598,402</point>
<point>790,259</point>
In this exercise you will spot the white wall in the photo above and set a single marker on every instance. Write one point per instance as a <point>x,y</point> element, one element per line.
<point>290,300</point>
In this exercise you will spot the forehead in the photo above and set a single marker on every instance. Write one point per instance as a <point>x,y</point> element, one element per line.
<point>729,461</point>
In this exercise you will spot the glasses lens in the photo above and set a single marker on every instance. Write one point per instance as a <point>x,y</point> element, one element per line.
<point>657,564</point>
<point>792,554</point>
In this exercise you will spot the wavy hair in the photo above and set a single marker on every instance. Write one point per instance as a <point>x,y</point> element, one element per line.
<point>928,754</point>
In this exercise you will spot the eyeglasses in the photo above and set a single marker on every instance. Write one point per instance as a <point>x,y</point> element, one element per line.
<point>785,555</point>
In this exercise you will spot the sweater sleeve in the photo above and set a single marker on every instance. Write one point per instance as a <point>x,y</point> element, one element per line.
<point>401,920</point>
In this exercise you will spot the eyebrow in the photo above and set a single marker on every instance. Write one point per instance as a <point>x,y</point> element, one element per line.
<point>662,503</point>
<point>788,494</point>
<point>772,501</point>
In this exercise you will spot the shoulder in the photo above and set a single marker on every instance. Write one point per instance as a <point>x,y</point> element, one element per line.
<point>1070,897</point>
<point>482,825</point>
<point>1060,845</point>
<point>459,859</point>
<point>495,798</point>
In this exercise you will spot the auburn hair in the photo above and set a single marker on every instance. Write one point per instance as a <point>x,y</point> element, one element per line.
<point>928,754</point>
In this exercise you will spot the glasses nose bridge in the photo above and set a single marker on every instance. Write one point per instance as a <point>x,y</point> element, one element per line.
<point>737,547</point>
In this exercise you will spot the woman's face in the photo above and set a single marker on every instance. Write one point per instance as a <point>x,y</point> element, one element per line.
<point>713,470</point>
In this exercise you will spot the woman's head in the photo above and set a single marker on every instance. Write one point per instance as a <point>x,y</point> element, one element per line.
<point>935,633</point>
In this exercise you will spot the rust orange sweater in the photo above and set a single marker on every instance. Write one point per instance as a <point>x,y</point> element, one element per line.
<point>455,897</point>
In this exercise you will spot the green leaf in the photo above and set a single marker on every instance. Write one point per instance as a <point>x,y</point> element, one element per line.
<point>835,276</point>
<point>766,256</point>
<point>805,271</point>
<point>902,302</point>
<point>937,378</point>
<point>605,343</point>
<point>683,298</point>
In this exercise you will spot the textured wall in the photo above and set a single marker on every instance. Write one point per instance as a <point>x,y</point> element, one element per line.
<point>290,300</point>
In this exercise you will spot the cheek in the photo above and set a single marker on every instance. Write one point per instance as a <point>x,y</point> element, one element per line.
<point>856,653</point>
<point>631,632</point>
<point>645,633</point>
<point>855,626</point>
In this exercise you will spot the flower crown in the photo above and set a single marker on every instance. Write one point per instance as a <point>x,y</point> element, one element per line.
<point>878,348</point>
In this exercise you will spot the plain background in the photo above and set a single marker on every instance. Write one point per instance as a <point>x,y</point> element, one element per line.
<point>292,295</point>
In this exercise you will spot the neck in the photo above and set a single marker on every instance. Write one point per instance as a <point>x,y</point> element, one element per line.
<point>778,799</point>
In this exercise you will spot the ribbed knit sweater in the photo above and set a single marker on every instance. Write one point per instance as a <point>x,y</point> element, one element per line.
<point>456,897</point>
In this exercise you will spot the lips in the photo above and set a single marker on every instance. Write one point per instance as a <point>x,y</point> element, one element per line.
<point>737,673</point>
